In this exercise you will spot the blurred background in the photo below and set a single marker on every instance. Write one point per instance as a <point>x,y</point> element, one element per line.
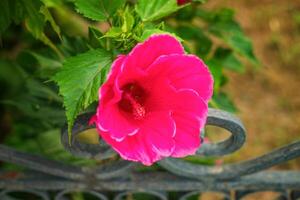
<point>268,98</point>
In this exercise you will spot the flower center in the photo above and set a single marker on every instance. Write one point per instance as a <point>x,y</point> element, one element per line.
<point>133,100</point>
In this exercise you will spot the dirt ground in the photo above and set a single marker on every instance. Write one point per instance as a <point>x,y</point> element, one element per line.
<point>268,98</point>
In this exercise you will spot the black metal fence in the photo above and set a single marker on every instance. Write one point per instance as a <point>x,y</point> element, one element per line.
<point>116,179</point>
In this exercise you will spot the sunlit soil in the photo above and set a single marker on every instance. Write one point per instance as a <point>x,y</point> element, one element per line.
<point>268,98</point>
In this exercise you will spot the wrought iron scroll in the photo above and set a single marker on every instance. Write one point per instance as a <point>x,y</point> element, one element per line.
<point>121,177</point>
<point>236,140</point>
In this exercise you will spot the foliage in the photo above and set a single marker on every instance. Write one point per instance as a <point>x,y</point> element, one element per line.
<point>154,10</point>
<point>99,10</point>
<point>46,53</point>
<point>86,70</point>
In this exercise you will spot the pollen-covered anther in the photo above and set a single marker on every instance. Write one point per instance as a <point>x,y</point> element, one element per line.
<point>138,111</point>
<point>133,99</point>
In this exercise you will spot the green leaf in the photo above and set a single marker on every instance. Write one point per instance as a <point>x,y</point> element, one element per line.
<point>222,24</point>
<point>200,1</point>
<point>40,90</point>
<point>186,14</point>
<point>222,101</point>
<point>148,32</point>
<point>128,21</point>
<point>11,11</point>
<point>79,81</point>
<point>11,78</point>
<point>42,65</point>
<point>242,45</point>
<point>113,32</point>
<point>17,11</point>
<point>95,38</point>
<point>5,18</point>
<point>98,10</point>
<point>53,3</point>
<point>35,23</point>
<point>72,46</point>
<point>202,42</point>
<point>228,60</point>
<point>216,70</point>
<point>46,62</point>
<point>48,17</point>
<point>155,9</point>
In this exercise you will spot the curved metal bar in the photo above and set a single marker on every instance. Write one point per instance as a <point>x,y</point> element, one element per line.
<point>105,171</point>
<point>233,143</point>
<point>159,195</point>
<point>39,163</point>
<point>157,181</point>
<point>231,171</point>
<point>95,151</point>
<point>5,194</point>
<point>180,167</point>
<point>99,151</point>
<point>103,151</point>
<point>229,122</point>
<point>98,195</point>
<point>215,117</point>
<point>110,170</point>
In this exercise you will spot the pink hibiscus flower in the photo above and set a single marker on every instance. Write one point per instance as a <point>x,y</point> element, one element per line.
<point>182,2</point>
<point>154,102</point>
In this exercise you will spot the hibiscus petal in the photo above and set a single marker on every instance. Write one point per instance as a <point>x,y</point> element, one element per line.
<point>189,101</point>
<point>187,138</point>
<point>116,68</point>
<point>112,120</point>
<point>144,54</point>
<point>133,148</point>
<point>109,91</point>
<point>184,72</point>
<point>165,97</point>
<point>108,112</point>
<point>159,129</point>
